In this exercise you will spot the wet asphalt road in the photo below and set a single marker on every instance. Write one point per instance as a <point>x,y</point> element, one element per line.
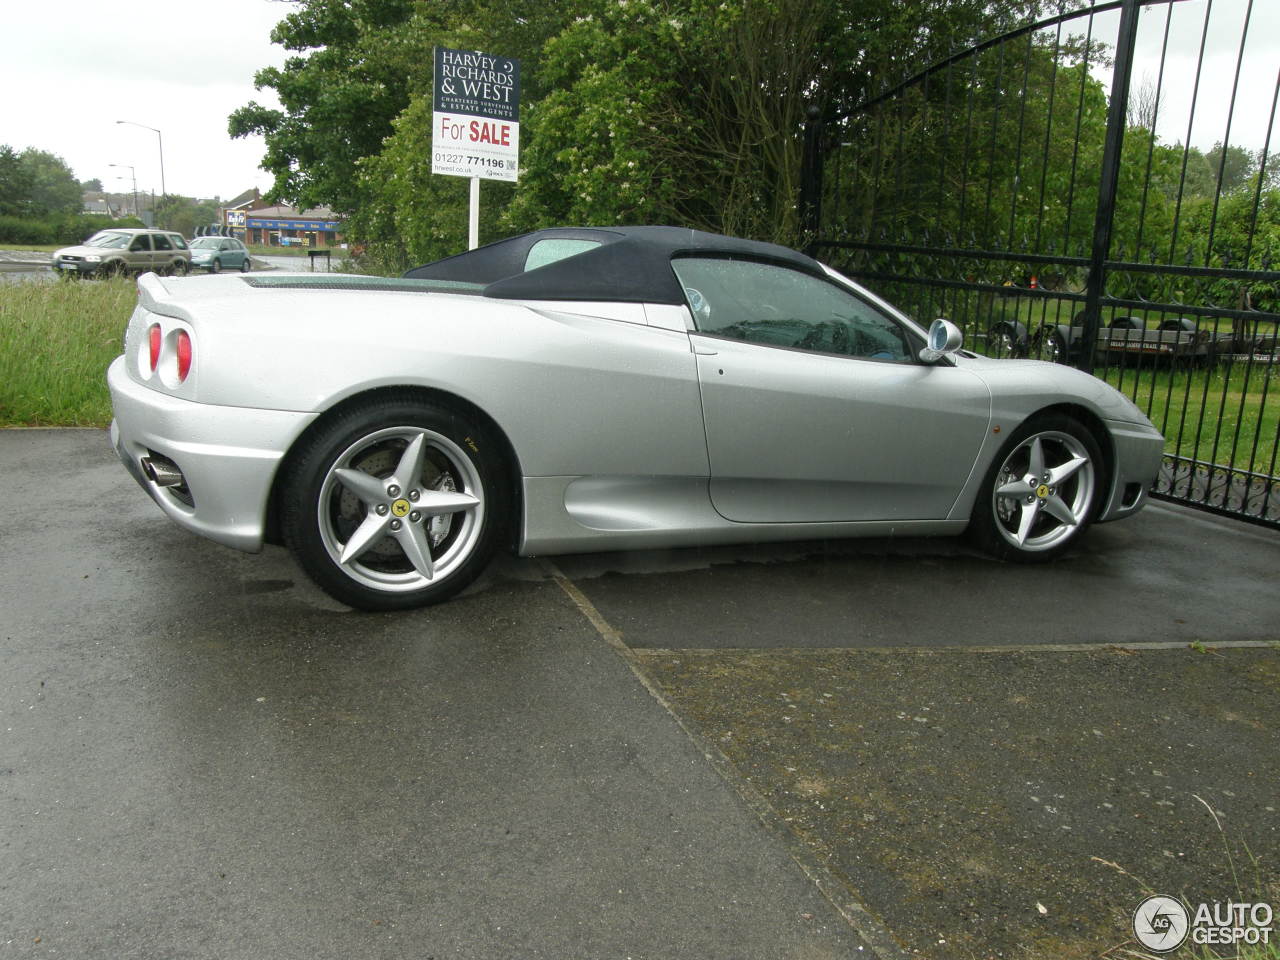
<point>201,755</point>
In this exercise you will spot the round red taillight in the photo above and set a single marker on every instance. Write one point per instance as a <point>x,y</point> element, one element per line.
<point>153,337</point>
<point>184,355</point>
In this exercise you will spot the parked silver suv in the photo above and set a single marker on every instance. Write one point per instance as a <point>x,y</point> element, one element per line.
<point>110,252</point>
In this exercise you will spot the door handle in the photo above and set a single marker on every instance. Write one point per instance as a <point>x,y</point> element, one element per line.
<point>704,351</point>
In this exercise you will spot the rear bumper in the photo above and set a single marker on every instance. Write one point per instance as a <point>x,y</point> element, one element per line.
<point>1138,449</point>
<point>228,456</point>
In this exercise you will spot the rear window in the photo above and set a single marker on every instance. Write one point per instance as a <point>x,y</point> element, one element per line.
<point>162,242</point>
<point>555,248</point>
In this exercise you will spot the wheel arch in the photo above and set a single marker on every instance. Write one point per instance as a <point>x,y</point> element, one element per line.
<point>272,531</point>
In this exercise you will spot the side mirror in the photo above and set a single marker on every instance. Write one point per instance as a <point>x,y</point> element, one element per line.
<point>945,339</point>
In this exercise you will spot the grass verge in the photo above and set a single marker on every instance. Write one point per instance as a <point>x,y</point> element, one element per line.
<point>56,341</point>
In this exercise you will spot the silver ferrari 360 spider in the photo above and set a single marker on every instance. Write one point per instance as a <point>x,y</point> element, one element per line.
<point>575,390</point>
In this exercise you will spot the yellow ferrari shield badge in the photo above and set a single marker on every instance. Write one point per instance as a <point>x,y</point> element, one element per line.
<point>1042,491</point>
<point>400,507</point>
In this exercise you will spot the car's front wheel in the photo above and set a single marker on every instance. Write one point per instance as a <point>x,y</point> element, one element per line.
<point>1041,492</point>
<point>397,503</point>
<point>215,266</point>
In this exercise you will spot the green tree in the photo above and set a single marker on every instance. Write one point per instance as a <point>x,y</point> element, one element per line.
<point>15,184</point>
<point>691,111</point>
<point>350,78</point>
<point>184,214</point>
<point>1235,166</point>
<point>678,111</point>
<point>54,188</point>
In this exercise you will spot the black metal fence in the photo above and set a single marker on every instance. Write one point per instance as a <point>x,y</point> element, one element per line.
<point>1097,188</point>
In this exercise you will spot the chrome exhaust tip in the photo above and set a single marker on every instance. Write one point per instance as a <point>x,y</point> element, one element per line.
<point>162,472</point>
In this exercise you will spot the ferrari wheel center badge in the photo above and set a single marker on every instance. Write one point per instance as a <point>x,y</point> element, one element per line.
<point>400,507</point>
<point>1042,491</point>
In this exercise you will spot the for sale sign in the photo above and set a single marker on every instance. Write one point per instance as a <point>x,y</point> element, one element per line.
<point>476,119</point>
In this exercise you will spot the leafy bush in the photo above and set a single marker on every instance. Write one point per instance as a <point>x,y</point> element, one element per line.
<point>58,228</point>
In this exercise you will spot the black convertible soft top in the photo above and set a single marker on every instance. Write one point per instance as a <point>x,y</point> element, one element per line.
<point>631,264</point>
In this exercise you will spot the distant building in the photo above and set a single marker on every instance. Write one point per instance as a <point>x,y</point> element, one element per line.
<point>256,222</point>
<point>96,203</point>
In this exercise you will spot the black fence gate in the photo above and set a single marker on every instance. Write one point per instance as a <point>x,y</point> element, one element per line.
<point>1097,188</point>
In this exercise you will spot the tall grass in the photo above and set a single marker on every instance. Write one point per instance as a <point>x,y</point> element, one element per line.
<point>56,341</point>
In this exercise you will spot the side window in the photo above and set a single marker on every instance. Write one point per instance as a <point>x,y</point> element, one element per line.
<point>140,242</point>
<point>778,306</point>
<point>178,241</point>
<point>162,242</point>
<point>549,251</point>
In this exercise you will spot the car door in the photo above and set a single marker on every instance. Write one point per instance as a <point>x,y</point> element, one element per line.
<point>815,405</point>
<point>139,255</point>
<point>163,254</point>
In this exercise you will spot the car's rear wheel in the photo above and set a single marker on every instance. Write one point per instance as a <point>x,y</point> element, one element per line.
<point>1041,492</point>
<point>396,503</point>
<point>244,265</point>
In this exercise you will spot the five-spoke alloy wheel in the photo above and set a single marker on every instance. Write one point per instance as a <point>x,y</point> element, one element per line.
<point>397,503</point>
<point>1041,492</point>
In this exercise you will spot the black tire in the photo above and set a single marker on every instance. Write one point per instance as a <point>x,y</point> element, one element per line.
<point>180,268</point>
<point>1057,348</point>
<point>115,268</point>
<point>215,266</point>
<point>244,265</point>
<point>1062,506</point>
<point>326,513</point>
<point>1006,341</point>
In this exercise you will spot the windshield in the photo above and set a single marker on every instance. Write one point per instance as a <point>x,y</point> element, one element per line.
<point>114,241</point>
<point>206,243</point>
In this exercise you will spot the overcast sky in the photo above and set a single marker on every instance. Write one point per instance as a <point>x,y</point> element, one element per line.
<point>69,71</point>
<point>1255,90</point>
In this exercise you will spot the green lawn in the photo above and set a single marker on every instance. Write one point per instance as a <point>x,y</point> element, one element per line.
<point>1201,410</point>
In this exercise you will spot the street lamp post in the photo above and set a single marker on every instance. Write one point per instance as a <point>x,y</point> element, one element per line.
<point>164,194</point>
<point>134,177</point>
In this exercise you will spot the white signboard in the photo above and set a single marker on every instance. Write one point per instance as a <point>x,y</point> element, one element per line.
<point>475,129</point>
<point>467,146</point>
